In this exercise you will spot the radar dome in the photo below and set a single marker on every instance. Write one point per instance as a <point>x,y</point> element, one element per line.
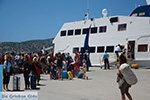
<point>104,12</point>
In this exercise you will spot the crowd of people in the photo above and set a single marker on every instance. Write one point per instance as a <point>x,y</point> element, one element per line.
<point>44,63</point>
<point>41,63</point>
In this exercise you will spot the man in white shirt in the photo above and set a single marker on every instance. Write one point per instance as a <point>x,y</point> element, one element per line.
<point>117,49</point>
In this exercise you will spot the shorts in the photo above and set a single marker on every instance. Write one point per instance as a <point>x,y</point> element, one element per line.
<point>6,78</point>
<point>52,73</point>
<point>59,67</point>
<point>125,87</point>
<point>85,69</point>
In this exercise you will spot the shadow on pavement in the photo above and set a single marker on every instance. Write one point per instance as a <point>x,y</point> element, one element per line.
<point>36,89</point>
<point>42,85</point>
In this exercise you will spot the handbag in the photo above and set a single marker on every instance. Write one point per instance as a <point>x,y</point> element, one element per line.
<point>37,69</point>
<point>120,80</point>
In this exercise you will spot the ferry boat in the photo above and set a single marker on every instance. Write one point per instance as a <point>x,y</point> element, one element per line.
<point>103,34</point>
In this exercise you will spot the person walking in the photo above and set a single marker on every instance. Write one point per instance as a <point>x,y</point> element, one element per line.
<point>106,59</point>
<point>26,67</point>
<point>124,87</point>
<point>7,72</point>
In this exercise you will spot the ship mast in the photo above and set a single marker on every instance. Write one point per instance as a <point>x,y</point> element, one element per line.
<point>87,9</point>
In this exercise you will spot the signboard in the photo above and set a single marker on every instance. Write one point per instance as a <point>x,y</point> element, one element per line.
<point>1,81</point>
<point>1,78</point>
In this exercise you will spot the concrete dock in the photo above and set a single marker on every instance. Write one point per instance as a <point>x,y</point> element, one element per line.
<point>100,86</point>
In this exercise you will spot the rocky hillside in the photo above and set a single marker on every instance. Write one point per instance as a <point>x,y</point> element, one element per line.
<point>27,46</point>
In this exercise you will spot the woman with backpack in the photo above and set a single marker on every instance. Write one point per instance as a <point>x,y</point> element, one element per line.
<point>125,78</point>
<point>7,72</point>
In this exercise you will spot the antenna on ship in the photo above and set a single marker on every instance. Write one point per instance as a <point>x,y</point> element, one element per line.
<point>87,9</point>
<point>87,14</point>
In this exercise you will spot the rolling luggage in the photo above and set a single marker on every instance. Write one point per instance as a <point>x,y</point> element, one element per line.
<point>16,83</point>
<point>70,75</point>
<point>73,73</point>
<point>80,74</point>
<point>64,74</point>
<point>33,82</point>
<point>136,66</point>
<point>128,74</point>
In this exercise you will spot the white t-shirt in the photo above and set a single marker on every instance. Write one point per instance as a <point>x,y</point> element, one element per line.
<point>85,66</point>
<point>48,59</point>
<point>117,48</point>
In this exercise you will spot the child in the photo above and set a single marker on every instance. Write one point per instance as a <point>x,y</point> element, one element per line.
<point>84,69</point>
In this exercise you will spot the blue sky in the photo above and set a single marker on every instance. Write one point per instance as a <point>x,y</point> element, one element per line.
<point>22,20</point>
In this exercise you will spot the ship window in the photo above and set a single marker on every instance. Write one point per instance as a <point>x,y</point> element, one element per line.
<point>85,31</point>
<point>70,32</point>
<point>93,30</point>
<point>122,27</point>
<point>92,49</point>
<point>110,48</point>
<point>75,50</point>
<point>63,33</point>
<point>83,49</point>
<point>77,31</point>
<point>113,19</point>
<point>142,48</point>
<point>102,29</point>
<point>100,49</point>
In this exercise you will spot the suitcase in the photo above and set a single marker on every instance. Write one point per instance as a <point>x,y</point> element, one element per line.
<point>70,75</point>
<point>136,66</point>
<point>16,83</point>
<point>64,74</point>
<point>80,74</point>
<point>33,82</point>
<point>73,73</point>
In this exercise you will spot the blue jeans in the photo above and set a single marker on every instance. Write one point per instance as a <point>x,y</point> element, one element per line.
<point>52,73</point>
<point>106,61</point>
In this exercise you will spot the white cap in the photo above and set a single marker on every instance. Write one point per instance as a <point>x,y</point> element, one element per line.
<point>34,58</point>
